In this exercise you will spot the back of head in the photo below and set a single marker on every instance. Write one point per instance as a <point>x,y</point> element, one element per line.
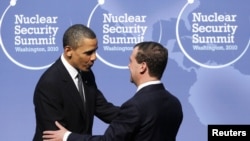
<point>75,33</point>
<point>155,55</point>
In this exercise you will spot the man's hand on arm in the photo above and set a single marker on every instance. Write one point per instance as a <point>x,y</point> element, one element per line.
<point>57,135</point>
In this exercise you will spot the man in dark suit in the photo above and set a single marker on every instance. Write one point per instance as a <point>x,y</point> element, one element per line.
<point>152,114</point>
<point>56,95</point>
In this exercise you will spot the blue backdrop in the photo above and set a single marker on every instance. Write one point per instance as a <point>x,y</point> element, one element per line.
<point>208,67</point>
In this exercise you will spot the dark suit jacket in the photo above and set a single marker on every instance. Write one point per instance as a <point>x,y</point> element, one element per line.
<point>153,114</point>
<point>57,98</point>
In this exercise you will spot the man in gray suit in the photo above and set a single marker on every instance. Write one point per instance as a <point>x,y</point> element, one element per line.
<point>152,114</point>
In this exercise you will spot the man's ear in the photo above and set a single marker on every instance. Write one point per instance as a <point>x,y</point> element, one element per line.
<point>68,51</point>
<point>143,67</point>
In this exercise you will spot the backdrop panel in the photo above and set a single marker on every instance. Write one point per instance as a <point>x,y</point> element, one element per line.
<point>208,68</point>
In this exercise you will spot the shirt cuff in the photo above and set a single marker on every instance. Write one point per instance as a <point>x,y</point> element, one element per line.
<point>66,135</point>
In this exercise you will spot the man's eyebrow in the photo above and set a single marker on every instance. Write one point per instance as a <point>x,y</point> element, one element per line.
<point>89,51</point>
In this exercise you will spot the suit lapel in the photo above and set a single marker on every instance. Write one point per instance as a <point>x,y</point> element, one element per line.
<point>70,86</point>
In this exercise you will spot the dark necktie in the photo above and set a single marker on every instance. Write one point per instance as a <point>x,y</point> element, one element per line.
<point>80,88</point>
<point>82,94</point>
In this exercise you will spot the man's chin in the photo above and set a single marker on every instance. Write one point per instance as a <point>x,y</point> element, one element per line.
<point>86,69</point>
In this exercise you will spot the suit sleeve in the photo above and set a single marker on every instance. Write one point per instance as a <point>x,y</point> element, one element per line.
<point>48,108</point>
<point>104,110</point>
<point>122,128</point>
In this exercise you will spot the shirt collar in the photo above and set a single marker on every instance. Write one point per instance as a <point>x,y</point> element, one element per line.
<point>148,83</point>
<point>72,71</point>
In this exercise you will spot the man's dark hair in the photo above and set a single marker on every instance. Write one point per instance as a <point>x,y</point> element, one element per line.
<point>75,33</point>
<point>154,55</point>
